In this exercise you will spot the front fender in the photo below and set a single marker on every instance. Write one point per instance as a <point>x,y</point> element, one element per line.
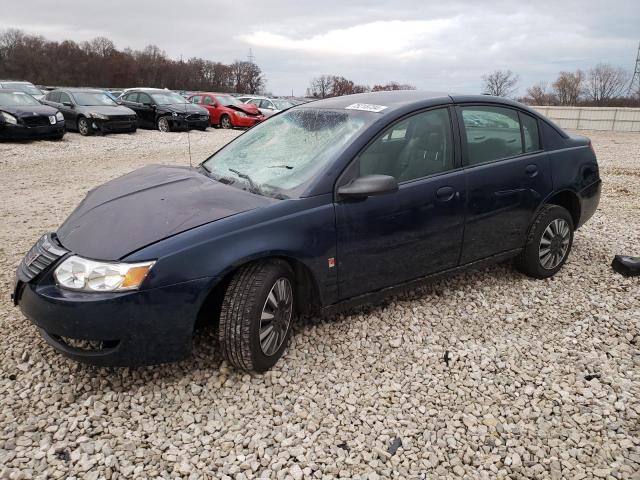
<point>299,229</point>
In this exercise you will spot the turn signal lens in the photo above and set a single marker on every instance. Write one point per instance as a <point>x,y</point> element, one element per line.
<point>135,276</point>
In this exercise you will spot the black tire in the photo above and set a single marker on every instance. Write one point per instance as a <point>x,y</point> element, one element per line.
<point>163,124</point>
<point>225,122</point>
<point>543,259</point>
<point>244,304</point>
<point>84,127</point>
<point>133,130</point>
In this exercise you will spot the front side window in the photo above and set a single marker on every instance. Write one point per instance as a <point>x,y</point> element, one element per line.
<point>283,153</point>
<point>208,100</point>
<point>493,133</point>
<point>54,97</point>
<point>144,99</point>
<point>413,148</point>
<point>131,97</point>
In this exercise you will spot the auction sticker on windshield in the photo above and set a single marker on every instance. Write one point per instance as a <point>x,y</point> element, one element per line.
<point>367,107</point>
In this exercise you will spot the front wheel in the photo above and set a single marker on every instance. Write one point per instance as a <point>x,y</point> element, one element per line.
<point>84,127</point>
<point>257,311</point>
<point>548,244</point>
<point>164,125</point>
<point>225,122</point>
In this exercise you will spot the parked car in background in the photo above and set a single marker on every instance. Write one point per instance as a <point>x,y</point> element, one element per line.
<point>23,117</point>
<point>89,111</point>
<point>164,109</point>
<point>326,205</point>
<point>267,106</point>
<point>22,86</point>
<point>226,111</point>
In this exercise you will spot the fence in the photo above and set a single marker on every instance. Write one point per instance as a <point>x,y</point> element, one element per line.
<point>594,118</point>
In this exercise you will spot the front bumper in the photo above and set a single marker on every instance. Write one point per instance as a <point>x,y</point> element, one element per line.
<point>145,327</point>
<point>182,123</point>
<point>115,125</point>
<point>246,122</point>
<point>22,132</point>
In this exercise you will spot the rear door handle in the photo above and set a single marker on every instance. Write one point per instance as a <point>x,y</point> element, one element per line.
<point>531,170</point>
<point>444,194</point>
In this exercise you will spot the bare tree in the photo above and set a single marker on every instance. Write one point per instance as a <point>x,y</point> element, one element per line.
<point>247,77</point>
<point>392,86</point>
<point>500,83</point>
<point>568,87</point>
<point>605,82</point>
<point>539,94</point>
<point>321,86</point>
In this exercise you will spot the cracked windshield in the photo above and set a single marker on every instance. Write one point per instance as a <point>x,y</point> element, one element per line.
<point>285,151</point>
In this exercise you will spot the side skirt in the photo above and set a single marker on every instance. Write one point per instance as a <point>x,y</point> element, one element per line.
<point>379,295</point>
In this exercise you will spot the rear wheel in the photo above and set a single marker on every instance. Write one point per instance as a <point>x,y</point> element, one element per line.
<point>257,311</point>
<point>84,126</point>
<point>548,244</point>
<point>225,122</point>
<point>164,125</point>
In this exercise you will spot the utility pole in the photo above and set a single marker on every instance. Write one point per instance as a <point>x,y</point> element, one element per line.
<point>634,86</point>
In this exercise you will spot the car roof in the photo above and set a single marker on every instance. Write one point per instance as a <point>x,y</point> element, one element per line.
<point>15,81</point>
<point>78,90</point>
<point>10,90</point>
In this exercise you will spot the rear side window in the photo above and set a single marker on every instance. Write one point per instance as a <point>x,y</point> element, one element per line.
<point>493,133</point>
<point>196,99</point>
<point>530,133</point>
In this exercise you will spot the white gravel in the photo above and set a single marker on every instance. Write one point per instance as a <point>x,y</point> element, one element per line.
<point>542,378</point>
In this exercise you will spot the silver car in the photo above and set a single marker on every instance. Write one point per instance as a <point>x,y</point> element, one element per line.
<point>267,106</point>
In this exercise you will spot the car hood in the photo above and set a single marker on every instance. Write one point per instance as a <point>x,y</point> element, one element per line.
<point>29,110</point>
<point>146,206</point>
<point>245,107</point>
<point>184,107</point>
<point>109,110</point>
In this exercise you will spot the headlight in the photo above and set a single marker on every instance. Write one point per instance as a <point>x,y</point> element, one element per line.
<point>98,116</point>
<point>9,118</point>
<point>77,273</point>
<point>59,117</point>
<point>241,114</point>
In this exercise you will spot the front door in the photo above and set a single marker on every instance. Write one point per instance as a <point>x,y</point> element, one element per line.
<point>508,176</point>
<point>394,238</point>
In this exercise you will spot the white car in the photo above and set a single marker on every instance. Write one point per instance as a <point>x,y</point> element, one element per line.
<point>267,106</point>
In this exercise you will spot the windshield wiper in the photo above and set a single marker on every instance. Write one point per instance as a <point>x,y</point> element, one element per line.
<point>252,186</point>
<point>288,167</point>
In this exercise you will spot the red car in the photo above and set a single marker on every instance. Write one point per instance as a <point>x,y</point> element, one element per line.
<point>226,111</point>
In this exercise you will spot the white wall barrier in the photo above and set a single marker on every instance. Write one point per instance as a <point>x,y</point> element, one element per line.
<point>594,118</point>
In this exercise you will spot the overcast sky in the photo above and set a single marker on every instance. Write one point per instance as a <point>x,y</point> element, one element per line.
<point>434,45</point>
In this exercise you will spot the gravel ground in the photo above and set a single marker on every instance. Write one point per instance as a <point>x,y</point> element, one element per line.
<point>484,375</point>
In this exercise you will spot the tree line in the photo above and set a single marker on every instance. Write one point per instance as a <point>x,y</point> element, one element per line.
<point>326,86</point>
<point>603,85</point>
<point>98,63</point>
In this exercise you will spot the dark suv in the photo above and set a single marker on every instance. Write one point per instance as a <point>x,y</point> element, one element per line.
<point>323,206</point>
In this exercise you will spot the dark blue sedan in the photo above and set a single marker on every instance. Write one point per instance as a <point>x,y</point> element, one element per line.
<point>323,206</point>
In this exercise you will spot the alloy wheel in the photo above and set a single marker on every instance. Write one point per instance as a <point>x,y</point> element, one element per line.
<point>163,125</point>
<point>554,243</point>
<point>276,316</point>
<point>226,122</point>
<point>83,126</point>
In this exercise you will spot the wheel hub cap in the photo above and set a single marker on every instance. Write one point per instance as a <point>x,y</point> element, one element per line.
<point>554,243</point>
<point>276,316</point>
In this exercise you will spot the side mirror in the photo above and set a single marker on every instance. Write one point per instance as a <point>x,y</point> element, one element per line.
<point>67,104</point>
<point>369,185</point>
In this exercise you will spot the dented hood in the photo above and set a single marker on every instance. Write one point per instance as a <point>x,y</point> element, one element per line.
<point>148,205</point>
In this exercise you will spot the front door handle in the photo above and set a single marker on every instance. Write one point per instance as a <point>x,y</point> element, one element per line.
<point>444,194</point>
<point>531,170</point>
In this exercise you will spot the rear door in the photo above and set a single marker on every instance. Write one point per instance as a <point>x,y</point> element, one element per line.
<point>211,104</point>
<point>418,230</point>
<point>508,175</point>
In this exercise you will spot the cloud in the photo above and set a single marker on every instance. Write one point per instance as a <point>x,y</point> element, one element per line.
<point>383,38</point>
